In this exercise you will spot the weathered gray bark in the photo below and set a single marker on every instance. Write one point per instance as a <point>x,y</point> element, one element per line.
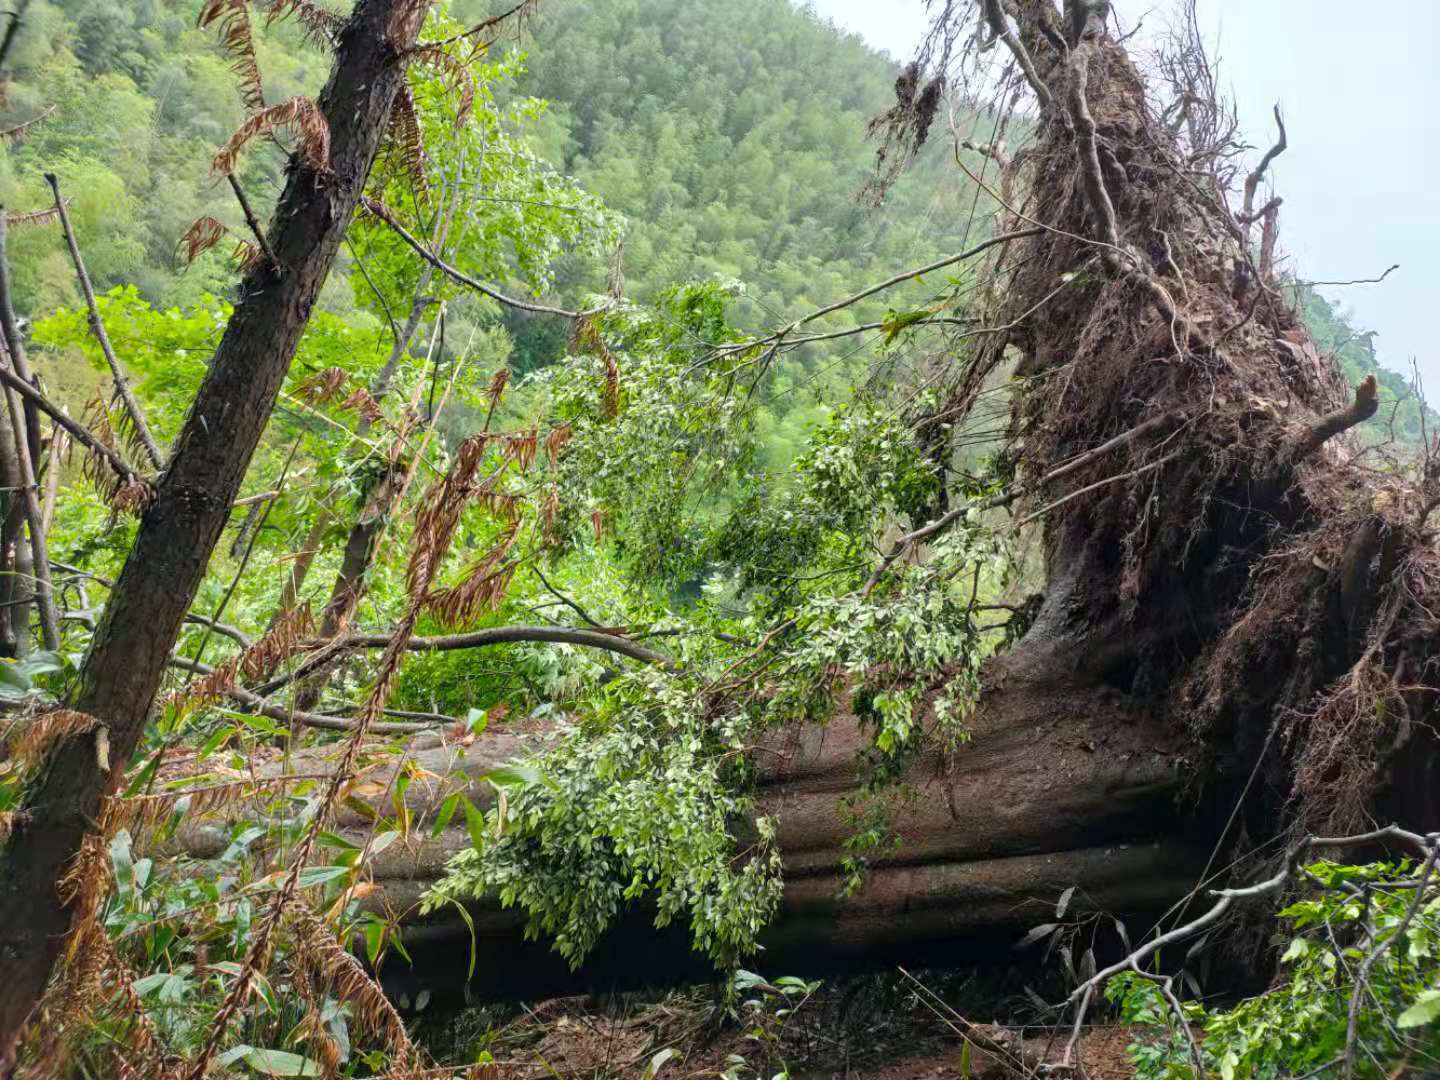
<point>1061,786</point>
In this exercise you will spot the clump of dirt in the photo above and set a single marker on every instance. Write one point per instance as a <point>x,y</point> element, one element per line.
<point>885,1026</point>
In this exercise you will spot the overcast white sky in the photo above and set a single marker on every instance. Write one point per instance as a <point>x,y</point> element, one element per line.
<point>1360,89</point>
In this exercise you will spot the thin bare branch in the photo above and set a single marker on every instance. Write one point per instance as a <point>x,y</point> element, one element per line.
<point>77,432</point>
<point>251,220</point>
<point>97,328</point>
<point>1252,182</point>
<point>383,213</point>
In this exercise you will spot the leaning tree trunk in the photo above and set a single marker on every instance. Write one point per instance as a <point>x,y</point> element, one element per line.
<point>192,502</point>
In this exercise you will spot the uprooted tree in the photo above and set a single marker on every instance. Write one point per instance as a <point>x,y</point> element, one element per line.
<point>1229,653</point>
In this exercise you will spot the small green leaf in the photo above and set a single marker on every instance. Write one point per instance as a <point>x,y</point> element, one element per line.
<point>475,822</point>
<point>318,875</point>
<point>13,675</point>
<point>447,811</point>
<point>503,776</point>
<point>279,1062</point>
<point>658,1061</point>
<point>1063,904</point>
<point>1426,1010</point>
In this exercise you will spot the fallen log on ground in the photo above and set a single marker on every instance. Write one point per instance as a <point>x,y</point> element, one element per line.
<point>1080,794</point>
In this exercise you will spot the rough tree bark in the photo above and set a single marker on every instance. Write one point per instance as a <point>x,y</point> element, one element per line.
<point>180,528</point>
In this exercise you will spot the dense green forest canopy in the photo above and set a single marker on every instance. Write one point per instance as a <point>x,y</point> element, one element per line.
<point>726,139</point>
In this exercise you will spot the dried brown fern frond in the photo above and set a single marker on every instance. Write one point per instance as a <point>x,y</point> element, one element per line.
<point>521,447</point>
<point>202,235</point>
<point>29,739</point>
<point>330,964</point>
<point>132,496</point>
<point>245,255</point>
<point>481,588</point>
<point>233,19</point>
<point>299,113</point>
<point>440,514</point>
<point>84,884</point>
<point>321,25</point>
<point>68,1000</point>
<point>127,494</point>
<point>496,389</point>
<point>48,216</point>
<point>405,142</point>
<point>259,661</point>
<point>434,55</point>
<point>281,642</point>
<point>19,131</point>
<point>314,1033</point>
<point>97,419</point>
<point>481,591</point>
<point>559,435</point>
<point>361,402</point>
<point>502,504</point>
<point>325,385</point>
<point>587,335</point>
<point>147,811</point>
<point>550,513</point>
<point>141,1038</point>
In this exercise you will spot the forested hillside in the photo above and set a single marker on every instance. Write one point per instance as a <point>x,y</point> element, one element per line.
<point>729,137</point>
<point>642,538</point>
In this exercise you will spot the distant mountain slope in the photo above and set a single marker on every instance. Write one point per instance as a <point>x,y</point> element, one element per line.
<point>731,133</point>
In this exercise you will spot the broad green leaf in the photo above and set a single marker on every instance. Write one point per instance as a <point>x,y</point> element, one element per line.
<point>1426,1010</point>
<point>475,822</point>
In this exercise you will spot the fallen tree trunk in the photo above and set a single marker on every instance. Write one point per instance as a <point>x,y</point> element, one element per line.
<point>1060,786</point>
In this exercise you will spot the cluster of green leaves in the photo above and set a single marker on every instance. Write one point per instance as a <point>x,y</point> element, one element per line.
<point>645,795</point>
<point>1299,1027</point>
<point>636,802</point>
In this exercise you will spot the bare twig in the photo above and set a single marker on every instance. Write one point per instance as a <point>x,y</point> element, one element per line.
<point>1362,977</point>
<point>251,220</point>
<point>1081,996</point>
<point>382,212</point>
<point>26,452</point>
<point>97,328</point>
<point>1149,467</point>
<point>864,294</point>
<point>58,439</point>
<point>255,703</point>
<point>946,520</point>
<point>1355,281</point>
<point>1252,182</point>
<point>234,633</point>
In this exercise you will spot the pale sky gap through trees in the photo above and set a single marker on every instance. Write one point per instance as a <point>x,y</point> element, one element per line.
<point>1361,181</point>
